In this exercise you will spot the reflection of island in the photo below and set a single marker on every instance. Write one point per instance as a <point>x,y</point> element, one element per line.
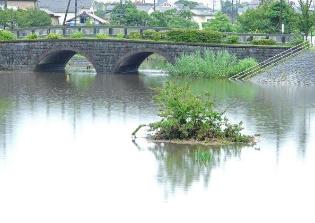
<point>179,166</point>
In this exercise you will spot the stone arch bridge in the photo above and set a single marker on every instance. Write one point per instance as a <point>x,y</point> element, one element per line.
<point>108,56</point>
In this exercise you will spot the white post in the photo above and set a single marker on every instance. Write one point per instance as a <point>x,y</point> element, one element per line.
<point>282,28</point>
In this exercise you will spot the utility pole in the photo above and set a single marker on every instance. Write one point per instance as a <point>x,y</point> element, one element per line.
<point>232,11</point>
<point>5,4</point>
<point>67,10</point>
<point>75,12</point>
<point>154,6</point>
<point>281,17</point>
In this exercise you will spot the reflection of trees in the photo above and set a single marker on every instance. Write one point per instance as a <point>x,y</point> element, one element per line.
<point>71,97</point>
<point>282,112</point>
<point>5,106</point>
<point>179,167</point>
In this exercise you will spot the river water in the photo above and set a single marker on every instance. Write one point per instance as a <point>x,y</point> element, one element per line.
<point>66,153</point>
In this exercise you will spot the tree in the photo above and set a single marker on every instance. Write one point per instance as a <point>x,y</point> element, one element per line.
<point>220,23</point>
<point>232,9</point>
<point>32,18</point>
<point>173,19</point>
<point>7,18</point>
<point>267,18</point>
<point>100,9</point>
<point>24,18</point>
<point>128,14</point>
<point>306,18</point>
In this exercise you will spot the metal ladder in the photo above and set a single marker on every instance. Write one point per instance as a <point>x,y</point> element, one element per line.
<point>252,71</point>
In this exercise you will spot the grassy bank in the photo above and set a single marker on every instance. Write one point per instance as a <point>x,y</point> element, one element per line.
<point>210,65</point>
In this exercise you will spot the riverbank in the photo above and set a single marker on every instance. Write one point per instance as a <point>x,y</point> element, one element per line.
<point>299,70</point>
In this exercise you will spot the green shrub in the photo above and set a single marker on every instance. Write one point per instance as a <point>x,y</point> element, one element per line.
<point>151,34</point>
<point>6,35</point>
<point>77,35</point>
<point>244,64</point>
<point>194,36</point>
<point>134,35</point>
<point>189,117</point>
<point>102,36</point>
<point>209,65</point>
<point>120,35</point>
<point>297,39</point>
<point>264,42</point>
<point>32,36</point>
<point>233,39</point>
<point>54,36</point>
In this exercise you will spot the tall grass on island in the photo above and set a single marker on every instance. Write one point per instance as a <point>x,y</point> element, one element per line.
<point>187,118</point>
<point>209,65</point>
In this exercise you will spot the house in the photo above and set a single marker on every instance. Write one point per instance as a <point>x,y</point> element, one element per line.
<point>201,14</point>
<point>86,18</point>
<point>20,4</point>
<point>54,17</point>
<point>59,7</point>
<point>165,6</point>
<point>146,7</point>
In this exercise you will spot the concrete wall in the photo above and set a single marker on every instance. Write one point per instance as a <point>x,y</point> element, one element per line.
<point>107,56</point>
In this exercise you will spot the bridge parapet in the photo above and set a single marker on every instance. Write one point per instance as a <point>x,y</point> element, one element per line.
<point>92,31</point>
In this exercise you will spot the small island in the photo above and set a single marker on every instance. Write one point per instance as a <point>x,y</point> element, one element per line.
<point>191,119</point>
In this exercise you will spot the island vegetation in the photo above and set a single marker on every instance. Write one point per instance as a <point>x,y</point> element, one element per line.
<point>187,118</point>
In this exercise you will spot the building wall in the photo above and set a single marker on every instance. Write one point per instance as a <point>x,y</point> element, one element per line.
<point>62,16</point>
<point>22,4</point>
<point>55,21</point>
<point>201,19</point>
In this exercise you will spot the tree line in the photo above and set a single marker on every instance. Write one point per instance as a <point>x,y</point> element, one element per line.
<point>268,17</point>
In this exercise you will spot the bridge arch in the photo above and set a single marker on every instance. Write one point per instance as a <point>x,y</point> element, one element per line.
<point>131,61</point>
<point>57,59</point>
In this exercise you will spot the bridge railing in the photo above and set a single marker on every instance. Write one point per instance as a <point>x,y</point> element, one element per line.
<point>91,31</point>
<point>86,30</point>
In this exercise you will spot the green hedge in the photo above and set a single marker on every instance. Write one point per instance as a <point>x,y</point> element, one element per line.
<point>6,35</point>
<point>102,36</point>
<point>151,34</point>
<point>32,36</point>
<point>180,35</point>
<point>233,39</point>
<point>264,42</point>
<point>195,36</point>
<point>77,35</point>
<point>54,36</point>
<point>134,35</point>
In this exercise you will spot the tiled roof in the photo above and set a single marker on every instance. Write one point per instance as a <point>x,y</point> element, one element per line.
<point>60,6</point>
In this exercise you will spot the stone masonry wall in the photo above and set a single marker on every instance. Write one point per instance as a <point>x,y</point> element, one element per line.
<point>108,56</point>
